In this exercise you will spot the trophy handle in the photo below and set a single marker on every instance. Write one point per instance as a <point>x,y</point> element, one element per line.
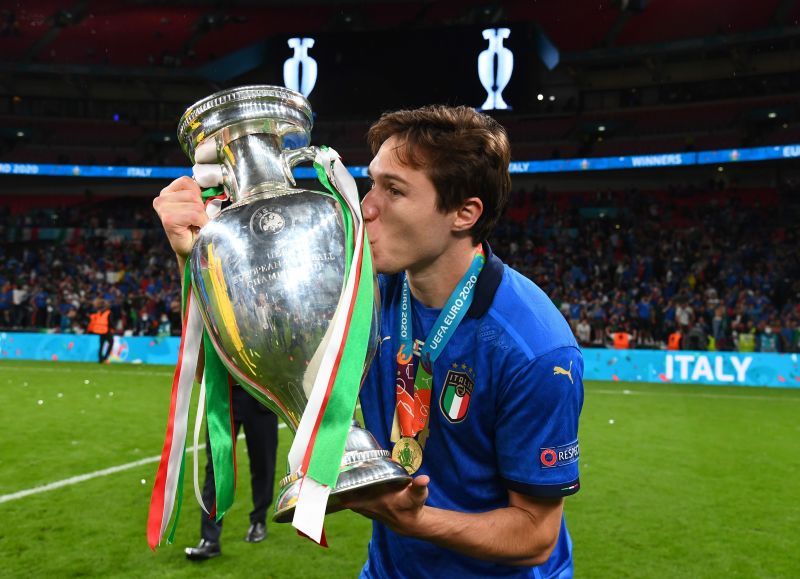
<point>293,157</point>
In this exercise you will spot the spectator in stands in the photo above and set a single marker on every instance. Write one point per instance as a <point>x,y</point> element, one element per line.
<point>719,327</point>
<point>696,337</point>
<point>768,341</point>
<point>644,319</point>
<point>20,306</point>
<point>789,334</point>
<point>6,301</point>
<point>164,327</point>
<point>583,331</point>
<point>745,264</point>
<point>684,314</point>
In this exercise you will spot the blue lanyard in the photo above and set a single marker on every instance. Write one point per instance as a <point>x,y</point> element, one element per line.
<point>451,315</point>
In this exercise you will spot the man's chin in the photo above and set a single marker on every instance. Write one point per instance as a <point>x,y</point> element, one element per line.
<point>385,268</point>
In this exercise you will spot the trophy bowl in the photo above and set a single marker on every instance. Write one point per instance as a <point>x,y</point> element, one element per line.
<point>268,271</point>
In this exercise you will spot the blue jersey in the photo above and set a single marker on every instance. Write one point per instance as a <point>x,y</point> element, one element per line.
<point>507,393</point>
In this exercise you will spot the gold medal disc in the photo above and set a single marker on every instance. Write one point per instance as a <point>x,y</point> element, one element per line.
<point>408,453</point>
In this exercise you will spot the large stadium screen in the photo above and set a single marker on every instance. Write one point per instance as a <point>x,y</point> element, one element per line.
<point>369,72</point>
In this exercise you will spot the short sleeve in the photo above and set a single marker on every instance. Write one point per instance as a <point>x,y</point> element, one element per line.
<point>537,427</point>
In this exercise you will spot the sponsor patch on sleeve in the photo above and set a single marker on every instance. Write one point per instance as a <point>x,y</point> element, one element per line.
<point>555,456</point>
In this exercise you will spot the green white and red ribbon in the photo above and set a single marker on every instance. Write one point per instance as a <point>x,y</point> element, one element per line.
<point>167,490</point>
<point>320,439</point>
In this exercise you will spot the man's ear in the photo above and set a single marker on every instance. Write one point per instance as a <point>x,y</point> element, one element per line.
<point>467,215</point>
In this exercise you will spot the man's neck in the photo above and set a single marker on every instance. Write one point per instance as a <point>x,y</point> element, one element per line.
<point>434,283</point>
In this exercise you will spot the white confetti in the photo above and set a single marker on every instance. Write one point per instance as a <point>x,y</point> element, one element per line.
<point>40,402</point>
<point>85,381</point>
<point>60,394</point>
<point>611,421</point>
<point>144,481</point>
<point>110,393</point>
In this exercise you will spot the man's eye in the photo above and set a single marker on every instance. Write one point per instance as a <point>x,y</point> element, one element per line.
<point>395,192</point>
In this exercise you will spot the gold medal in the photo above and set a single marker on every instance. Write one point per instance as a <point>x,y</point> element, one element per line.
<point>408,453</point>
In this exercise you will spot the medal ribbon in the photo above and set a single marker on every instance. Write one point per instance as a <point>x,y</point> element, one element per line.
<point>414,391</point>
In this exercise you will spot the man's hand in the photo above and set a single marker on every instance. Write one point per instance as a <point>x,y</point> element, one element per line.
<point>180,208</point>
<point>401,511</point>
<point>522,534</point>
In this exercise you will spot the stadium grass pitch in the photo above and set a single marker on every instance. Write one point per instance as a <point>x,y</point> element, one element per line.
<point>678,481</point>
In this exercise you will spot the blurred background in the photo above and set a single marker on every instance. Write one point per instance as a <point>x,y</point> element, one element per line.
<point>656,191</point>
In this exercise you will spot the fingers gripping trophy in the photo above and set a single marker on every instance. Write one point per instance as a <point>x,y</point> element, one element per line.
<point>280,294</point>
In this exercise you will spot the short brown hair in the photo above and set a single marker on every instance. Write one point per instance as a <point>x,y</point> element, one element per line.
<point>464,153</point>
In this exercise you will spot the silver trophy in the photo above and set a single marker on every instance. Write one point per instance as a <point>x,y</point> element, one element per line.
<point>268,271</point>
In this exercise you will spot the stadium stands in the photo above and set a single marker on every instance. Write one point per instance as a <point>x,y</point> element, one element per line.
<point>618,260</point>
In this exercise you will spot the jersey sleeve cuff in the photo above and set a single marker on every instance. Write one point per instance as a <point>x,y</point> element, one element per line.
<point>545,491</point>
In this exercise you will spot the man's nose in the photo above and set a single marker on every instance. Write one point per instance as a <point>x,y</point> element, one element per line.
<point>368,207</point>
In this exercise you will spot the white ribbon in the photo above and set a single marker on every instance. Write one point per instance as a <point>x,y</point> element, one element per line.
<point>312,500</point>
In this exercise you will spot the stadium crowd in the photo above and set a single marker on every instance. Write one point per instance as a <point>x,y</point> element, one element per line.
<point>691,267</point>
<point>118,254</point>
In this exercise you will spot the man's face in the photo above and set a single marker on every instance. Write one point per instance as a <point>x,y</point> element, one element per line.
<point>406,231</point>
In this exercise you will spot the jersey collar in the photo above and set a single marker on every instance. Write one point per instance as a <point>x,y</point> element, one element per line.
<point>488,282</point>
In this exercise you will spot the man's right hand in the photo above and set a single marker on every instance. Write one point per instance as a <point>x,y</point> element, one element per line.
<point>182,213</point>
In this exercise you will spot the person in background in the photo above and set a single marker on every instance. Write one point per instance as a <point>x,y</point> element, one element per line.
<point>583,331</point>
<point>746,339</point>
<point>100,324</point>
<point>768,340</point>
<point>261,434</point>
<point>674,340</point>
<point>260,424</point>
<point>623,338</point>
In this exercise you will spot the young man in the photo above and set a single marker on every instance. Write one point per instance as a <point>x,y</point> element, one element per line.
<point>488,421</point>
<point>498,443</point>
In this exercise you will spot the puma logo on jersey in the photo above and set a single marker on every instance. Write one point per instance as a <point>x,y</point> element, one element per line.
<point>568,373</point>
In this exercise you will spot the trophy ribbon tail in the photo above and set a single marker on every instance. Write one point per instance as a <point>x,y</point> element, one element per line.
<point>167,489</point>
<point>321,435</point>
<point>170,469</point>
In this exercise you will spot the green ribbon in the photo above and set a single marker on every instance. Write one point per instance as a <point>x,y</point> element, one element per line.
<point>218,414</point>
<point>335,425</point>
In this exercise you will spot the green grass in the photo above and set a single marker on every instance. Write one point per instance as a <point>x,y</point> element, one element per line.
<point>687,481</point>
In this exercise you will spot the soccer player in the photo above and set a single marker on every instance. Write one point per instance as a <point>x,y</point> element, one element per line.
<point>485,411</point>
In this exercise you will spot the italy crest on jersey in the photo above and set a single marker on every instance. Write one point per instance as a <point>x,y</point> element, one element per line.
<point>456,393</point>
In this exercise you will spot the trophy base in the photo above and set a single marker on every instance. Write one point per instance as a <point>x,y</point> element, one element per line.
<point>364,465</point>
